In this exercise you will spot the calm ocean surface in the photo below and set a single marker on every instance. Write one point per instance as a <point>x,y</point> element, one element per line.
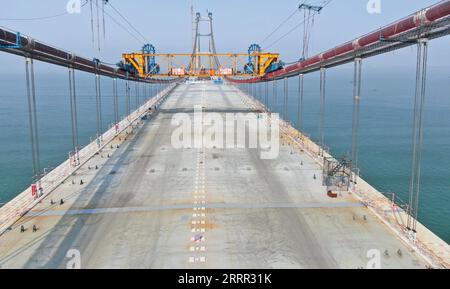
<point>385,132</point>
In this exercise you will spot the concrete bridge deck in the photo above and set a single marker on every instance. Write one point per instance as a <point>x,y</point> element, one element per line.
<point>150,205</point>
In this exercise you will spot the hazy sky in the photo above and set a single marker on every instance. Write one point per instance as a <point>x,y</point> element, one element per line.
<point>237,24</point>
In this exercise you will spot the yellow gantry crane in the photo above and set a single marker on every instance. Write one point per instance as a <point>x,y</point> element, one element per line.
<point>148,63</point>
<point>182,64</point>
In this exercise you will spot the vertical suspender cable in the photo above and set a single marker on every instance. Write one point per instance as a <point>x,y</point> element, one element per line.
<point>266,94</point>
<point>98,25</point>
<point>322,107</point>
<point>423,76</point>
<point>98,105</point>
<point>73,113</point>
<point>285,101</point>
<point>103,18</point>
<point>32,118</point>
<point>414,144</point>
<point>356,105</point>
<point>260,91</point>
<point>417,141</point>
<point>145,85</point>
<point>75,116</point>
<point>137,94</point>
<point>33,88</point>
<point>127,96</point>
<point>115,101</point>
<point>71,110</point>
<point>92,23</point>
<point>300,102</point>
<point>274,96</point>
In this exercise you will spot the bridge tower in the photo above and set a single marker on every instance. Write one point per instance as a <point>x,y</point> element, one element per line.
<point>196,61</point>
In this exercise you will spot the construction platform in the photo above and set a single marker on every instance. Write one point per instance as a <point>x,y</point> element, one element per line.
<point>145,204</point>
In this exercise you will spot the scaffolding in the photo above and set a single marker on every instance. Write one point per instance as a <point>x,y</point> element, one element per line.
<point>337,173</point>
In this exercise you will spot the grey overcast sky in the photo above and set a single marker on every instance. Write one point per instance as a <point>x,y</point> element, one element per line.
<point>237,24</point>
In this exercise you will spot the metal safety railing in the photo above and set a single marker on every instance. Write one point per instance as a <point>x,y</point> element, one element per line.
<point>25,201</point>
<point>387,210</point>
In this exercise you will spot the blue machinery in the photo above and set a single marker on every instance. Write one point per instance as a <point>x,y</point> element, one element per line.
<point>145,65</point>
<point>151,66</point>
<point>252,50</point>
<point>254,63</point>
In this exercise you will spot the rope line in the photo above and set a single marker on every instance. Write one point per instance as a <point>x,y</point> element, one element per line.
<point>41,17</point>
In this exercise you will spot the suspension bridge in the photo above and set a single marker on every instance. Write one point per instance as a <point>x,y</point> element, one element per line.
<point>131,199</point>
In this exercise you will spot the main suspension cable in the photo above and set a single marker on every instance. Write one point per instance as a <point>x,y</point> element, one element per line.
<point>121,26</point>
<point>279,26</point>
<point>128,22</point>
